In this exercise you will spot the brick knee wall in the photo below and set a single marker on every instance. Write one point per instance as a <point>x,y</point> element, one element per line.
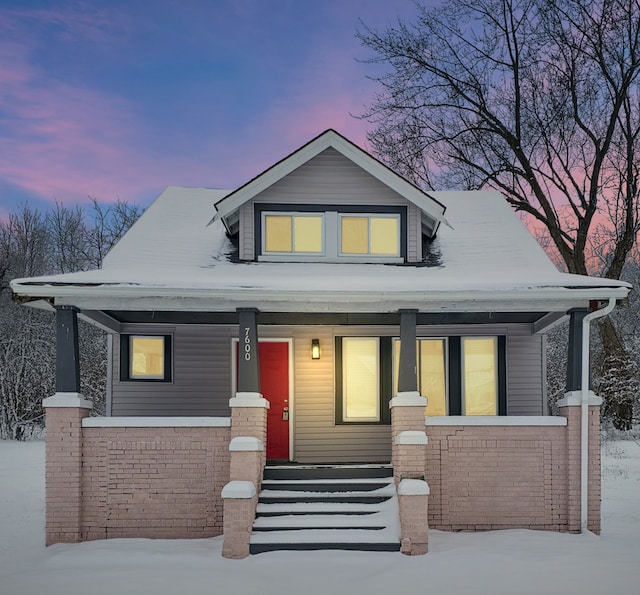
<point>154,482</point>
<point>497,477</point>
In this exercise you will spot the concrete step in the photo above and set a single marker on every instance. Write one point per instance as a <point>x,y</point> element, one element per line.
<point>345,508</point>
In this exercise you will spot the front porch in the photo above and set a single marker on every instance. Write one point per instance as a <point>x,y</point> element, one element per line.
<point>201,476</point>
<point>164,477</point>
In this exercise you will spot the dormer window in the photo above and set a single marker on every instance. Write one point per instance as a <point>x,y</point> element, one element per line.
<point>299,233</point>
<point>370,234</point>
<point>313,233</point>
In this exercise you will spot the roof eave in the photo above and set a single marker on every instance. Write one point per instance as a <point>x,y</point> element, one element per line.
<point>133,297</point>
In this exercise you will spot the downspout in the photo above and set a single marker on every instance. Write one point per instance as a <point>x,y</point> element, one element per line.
<point>584,409</point>
<point>109,384</point>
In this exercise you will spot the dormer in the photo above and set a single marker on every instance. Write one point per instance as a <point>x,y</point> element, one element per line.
<point>330,201</point>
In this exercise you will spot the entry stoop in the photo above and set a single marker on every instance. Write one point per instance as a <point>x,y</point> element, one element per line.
<point>320,507</point>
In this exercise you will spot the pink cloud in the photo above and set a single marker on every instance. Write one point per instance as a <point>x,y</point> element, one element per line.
<point>326,92</point>
<point>63,141</point>
<point>67,142</point>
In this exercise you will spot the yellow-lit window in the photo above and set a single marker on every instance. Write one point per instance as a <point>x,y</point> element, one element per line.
<point>384,236</point>
<point>355,235</point>
<point>146,355</point>
<point>308,233</point>
<point>278,235</point>
<point>293,234</point>
<point>431,373</point>
<point>360,379</point>
<point>479,375</point>
<point>377,235</point>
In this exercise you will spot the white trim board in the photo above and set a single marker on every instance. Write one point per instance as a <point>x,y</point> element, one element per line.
<point>496,420</point>
<point>156,422</point>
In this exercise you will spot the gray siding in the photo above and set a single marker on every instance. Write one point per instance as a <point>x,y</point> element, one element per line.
<point>202,383</point>
<point>329,178</point>
<point>201,380</point>
<point>525,373</point>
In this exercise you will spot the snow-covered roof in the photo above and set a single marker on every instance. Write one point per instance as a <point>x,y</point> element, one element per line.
<point>171,259</point>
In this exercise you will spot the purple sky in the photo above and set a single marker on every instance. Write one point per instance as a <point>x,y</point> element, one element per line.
<point>120,98</point>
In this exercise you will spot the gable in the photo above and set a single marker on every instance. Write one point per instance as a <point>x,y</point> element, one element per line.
<point>228,209</point>
<point>328,182</point>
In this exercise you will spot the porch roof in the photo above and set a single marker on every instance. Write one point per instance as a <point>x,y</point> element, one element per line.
<point>172,260</point>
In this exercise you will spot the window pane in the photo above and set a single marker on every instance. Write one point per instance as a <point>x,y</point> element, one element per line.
<point>308,234</point>
<point>480,377</point>
<point>355,235</point>
<point>360,379</point>
<point>432,379</point>
<point>384,235</point>
<point>277,229</point>
<point>147,357</point>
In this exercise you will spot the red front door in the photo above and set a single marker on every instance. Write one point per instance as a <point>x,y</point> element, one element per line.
<point>274,385</point>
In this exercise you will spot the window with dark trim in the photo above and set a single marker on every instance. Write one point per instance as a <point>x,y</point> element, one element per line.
<point>363,380</point>
<point>145,358</point>
<point>334,233</point>
<point>467,373</point>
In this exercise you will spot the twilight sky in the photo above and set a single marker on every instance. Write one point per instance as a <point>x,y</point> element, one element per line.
<point>120,98</point>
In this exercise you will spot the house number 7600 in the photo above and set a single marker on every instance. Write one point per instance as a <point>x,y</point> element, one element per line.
<point>247,344</point>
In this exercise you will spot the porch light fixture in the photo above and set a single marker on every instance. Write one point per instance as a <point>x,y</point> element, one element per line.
<point>315,348</point>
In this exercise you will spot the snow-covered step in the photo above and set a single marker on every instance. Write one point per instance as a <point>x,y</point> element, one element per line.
<point>317,507</point>
<point>318,472</point>
<point>321,521</point>
<point>327,485</point>
<point>312,492</point>
<point>299,510</point>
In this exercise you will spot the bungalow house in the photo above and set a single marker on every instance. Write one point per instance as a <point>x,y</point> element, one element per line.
<point>327,356</point>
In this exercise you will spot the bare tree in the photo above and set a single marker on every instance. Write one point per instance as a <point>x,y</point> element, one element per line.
<point>109,224</point>
<point>35,243</point>
<point>68,236</point>
<point>536,98</point>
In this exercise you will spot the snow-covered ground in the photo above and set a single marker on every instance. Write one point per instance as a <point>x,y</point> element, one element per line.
<point>500,562</point>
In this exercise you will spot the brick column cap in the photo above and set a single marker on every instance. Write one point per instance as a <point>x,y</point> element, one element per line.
<point>239,490</point>
<point>413,487</point>
<point>412,437</point>
<point>246,444</point>
<point>70,400</point>
<point>408,399</point>
<point>245,399</point>
<point>574,399</point>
